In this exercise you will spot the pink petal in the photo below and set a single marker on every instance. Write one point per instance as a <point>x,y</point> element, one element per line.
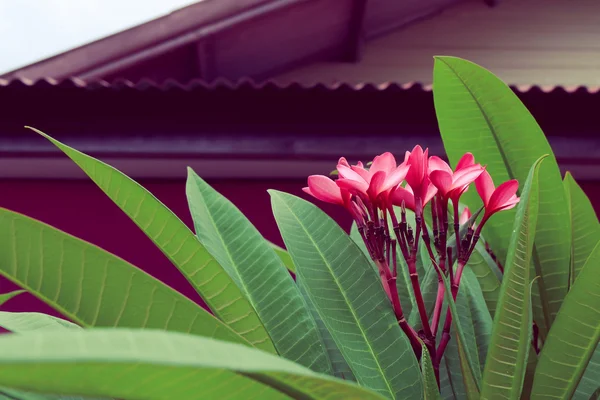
<point>325,189</point>
<point>343,161</point>
<point>360,165</point>
<point>366,175</point>
<point>406,156</point>
<point>385,162</point>
<point>431,191</point>
<point>503,194</point>
<point>352,185</point>
<point>465,161</point>
<point>307,190</point>
<point>436,163</point>
<point>401,194</point>
<point>395,177</point>
<point>417,171</point>
<point>485,187</point>
<point>466,176</point>
<point>375,187</point>
<point>349,173</point>
<point>464,216</point>
<point>442,180</point>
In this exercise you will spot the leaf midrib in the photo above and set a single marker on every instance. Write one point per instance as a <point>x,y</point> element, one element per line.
<point>391,391</point>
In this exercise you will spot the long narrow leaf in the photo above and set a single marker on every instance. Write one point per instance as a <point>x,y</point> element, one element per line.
<point>32,321</point>
<point>469,364</point>
<point>484,268</point>
<point>477,112</point>
<point>147,364</point>
<point>178,243</point>
<point>284,257</point>
<point>430,387</point>
<point>507,358</point>
<point>340,366</point>
<point>256,269</point>
<point>348,295</point>
<point>573,337</point>
<point>93,287</point>
<point>585,229</point>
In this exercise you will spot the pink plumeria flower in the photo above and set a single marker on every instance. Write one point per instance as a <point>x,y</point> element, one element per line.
<point>406,195</point>
<point>418,174</point>
<point>375,183</point>
<point>451,185</point>
<point>323,188</point>
<point>504,197</point>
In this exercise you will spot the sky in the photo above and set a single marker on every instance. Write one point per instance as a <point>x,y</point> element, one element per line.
<point>31,30</point>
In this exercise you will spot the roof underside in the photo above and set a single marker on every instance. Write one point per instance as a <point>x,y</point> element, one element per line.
<point>524,42</point>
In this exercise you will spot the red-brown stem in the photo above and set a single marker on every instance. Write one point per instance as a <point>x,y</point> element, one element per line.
<point>457,230</point>
<point>437,310</point>
<point>395,259</point>
<point>412,269</point>
<point>390,286</point>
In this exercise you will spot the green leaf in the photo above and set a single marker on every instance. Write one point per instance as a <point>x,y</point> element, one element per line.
<point>178,243</point>
<point>147,364</point>
<point>32,321</point>
<point>585,229</point>
<point>589,381</point>
<point>481,320</point>
<point>469,365</point>
<point>349,298</point>
<point>253,265</point>
<point>4,297</point>
<point>284,257</point>
<point>511,337</point>
<point>341,369</point>
<point>595,395</point>
<point>93,287</point>
<point>477,112</point>
<point>430,387</point>
<point>573,337</point>
<point>483,266</point>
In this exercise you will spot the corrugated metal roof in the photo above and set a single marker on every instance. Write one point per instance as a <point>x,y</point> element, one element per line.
<point>198,84</point>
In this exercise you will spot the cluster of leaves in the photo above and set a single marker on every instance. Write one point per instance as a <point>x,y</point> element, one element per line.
<point>331,333</point>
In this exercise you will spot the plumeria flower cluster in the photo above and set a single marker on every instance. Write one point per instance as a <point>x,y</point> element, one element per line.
<point>378,196</point>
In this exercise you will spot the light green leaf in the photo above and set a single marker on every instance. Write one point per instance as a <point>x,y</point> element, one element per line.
<point>573,337</point>
<point>469,364</point>
<point>178,243</point>
<point>511,338</point>
<point>93,287</point>
<point>484,267</point>
<point>585,229</point>
<point>349,298</point>
<point>430,387</point>
<point>32,321</point>
<point>341,369</point>
<point>253,265</point>
<point>147,364</point>
<point>4,297</point>
<point>284,257</point>
<point>477,112</point>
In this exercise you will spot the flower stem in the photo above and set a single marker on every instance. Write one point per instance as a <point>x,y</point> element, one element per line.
<point>412,269</point>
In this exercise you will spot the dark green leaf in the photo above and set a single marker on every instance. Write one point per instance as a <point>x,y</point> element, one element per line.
<point>477,112</point>
<point>574,336</point>
<point>349,298</point>
<point>505,368</point>
<point>585,229</point>
<point>254,266</point>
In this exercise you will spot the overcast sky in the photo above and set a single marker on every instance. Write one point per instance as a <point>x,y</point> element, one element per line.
<point>31,30</point>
